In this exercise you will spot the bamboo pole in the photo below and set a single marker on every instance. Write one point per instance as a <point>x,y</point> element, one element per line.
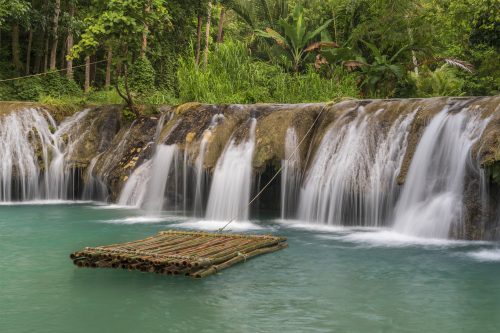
<point>216,268</point>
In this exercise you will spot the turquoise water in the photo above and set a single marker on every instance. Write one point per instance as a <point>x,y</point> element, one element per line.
<point>328,280</point>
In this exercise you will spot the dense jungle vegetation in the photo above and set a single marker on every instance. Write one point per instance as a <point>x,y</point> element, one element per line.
<point>246,51</point>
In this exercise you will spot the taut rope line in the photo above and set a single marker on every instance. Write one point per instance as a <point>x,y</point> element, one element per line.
<point>52,71</point>
<point>277,172</point>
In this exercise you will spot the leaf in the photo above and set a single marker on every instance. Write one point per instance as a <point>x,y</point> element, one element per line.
<point>316,32</point>
<point>354,64</point>
<point>376,52</point>
<point>466,66</point>
<point>270,33</point>
<point>320,45</point>
<point>398,53</point>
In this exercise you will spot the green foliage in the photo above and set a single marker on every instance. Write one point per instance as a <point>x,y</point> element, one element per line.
<point>233,76</point>
<point>142,76</point>
<point>296,37</point>
<point>311,87</point>
<point>306,48</point>
<point>230,77</point>
<point>128,114</point>
<point>160,97</point>
<point>57,85</point>
<point>119,23</point>
<point>29,89</point>
<point>441,82</point>
<point>104,97</point>
<point>380,77</point>
<point>12,8</point>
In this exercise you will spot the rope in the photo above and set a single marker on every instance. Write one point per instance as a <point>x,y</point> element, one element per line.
<point>277,172</point>
<point>52,71</point>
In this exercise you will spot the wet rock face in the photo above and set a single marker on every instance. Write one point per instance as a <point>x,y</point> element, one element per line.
<point>93,134</point>
<point>130,147</point>
<point>111,148</point>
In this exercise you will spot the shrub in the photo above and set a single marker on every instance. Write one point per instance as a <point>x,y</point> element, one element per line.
<point>142,76</point>
<point>57,85</point>
<point>234,76</point>
<point>29,89</point>
<point>441,82</point>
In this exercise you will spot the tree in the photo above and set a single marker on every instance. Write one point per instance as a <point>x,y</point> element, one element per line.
<point>207,34</point>
<point>121,24</point>
<point>55,36</point>
<point>70,40</point>
<point>296,40</point>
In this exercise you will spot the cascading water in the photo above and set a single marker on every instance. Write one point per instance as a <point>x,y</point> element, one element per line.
<point>383,189</point>
<point>134,190</point>
<point>146,186</point>
<point>290,175</point>
<point>353,175</point>
<point>20,133</point>
<point>232,180</point>
<point>33,150</point>
<point>160,171</point>
<point>200,171</point>
<point>94,187</point>
<point>66,137</point>
<point>432,199</point>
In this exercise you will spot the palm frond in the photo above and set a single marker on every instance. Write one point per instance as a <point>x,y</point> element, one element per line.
<point>464,65</point>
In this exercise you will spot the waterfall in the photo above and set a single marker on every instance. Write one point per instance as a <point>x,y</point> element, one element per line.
<point>33,152</point>
<point>352,178</point>
<point>146,186</point>
<point>232,180</point>
<point>200,171</point>
<point>432,199</point>
<point>94,188</point>
<point>383,189</point>
<point>160,171</point>
<point>134,190</point>
<point>290,175</point>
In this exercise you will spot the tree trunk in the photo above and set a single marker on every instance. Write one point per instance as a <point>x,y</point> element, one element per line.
<point>144,44</point>
<point>46,53</point>
<point>127,97</point>
<point>207,34</point>
<point>220,31</point>
<point>70,42</point>
<point>16,59</point>
<point>62,54</point>
<point>28,52</point>
<point>86,86</point>
<point>53,52</point>
<point>93,70</point>
<point>198,39</point>
<point>109,59</point>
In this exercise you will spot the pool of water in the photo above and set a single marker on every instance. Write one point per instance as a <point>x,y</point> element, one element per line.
<point>328,280</point>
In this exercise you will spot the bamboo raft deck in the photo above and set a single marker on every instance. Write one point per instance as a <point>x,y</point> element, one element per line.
<point>193,254</point>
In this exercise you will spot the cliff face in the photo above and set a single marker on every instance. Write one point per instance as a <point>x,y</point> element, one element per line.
<point>103,145</point>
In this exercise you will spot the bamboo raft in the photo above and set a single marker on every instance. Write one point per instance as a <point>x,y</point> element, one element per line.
<point>193,254</point>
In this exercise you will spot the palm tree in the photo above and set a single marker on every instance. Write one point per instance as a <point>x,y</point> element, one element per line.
<point>296,40</point>
<point>260,13</point>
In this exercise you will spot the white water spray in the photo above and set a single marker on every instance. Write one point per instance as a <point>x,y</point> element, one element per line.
<point>432,199</point>
<point>33,152</point>
<point>200,160</point>
<point>353,175</point>
<point>232,180</point>
<point>290,175</point>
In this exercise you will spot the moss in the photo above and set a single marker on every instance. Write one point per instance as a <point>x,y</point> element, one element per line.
<point>271,132</point>
<point>234,119</point>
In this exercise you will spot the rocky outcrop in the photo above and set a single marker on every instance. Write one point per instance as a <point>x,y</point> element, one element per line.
<point>108,147</point>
